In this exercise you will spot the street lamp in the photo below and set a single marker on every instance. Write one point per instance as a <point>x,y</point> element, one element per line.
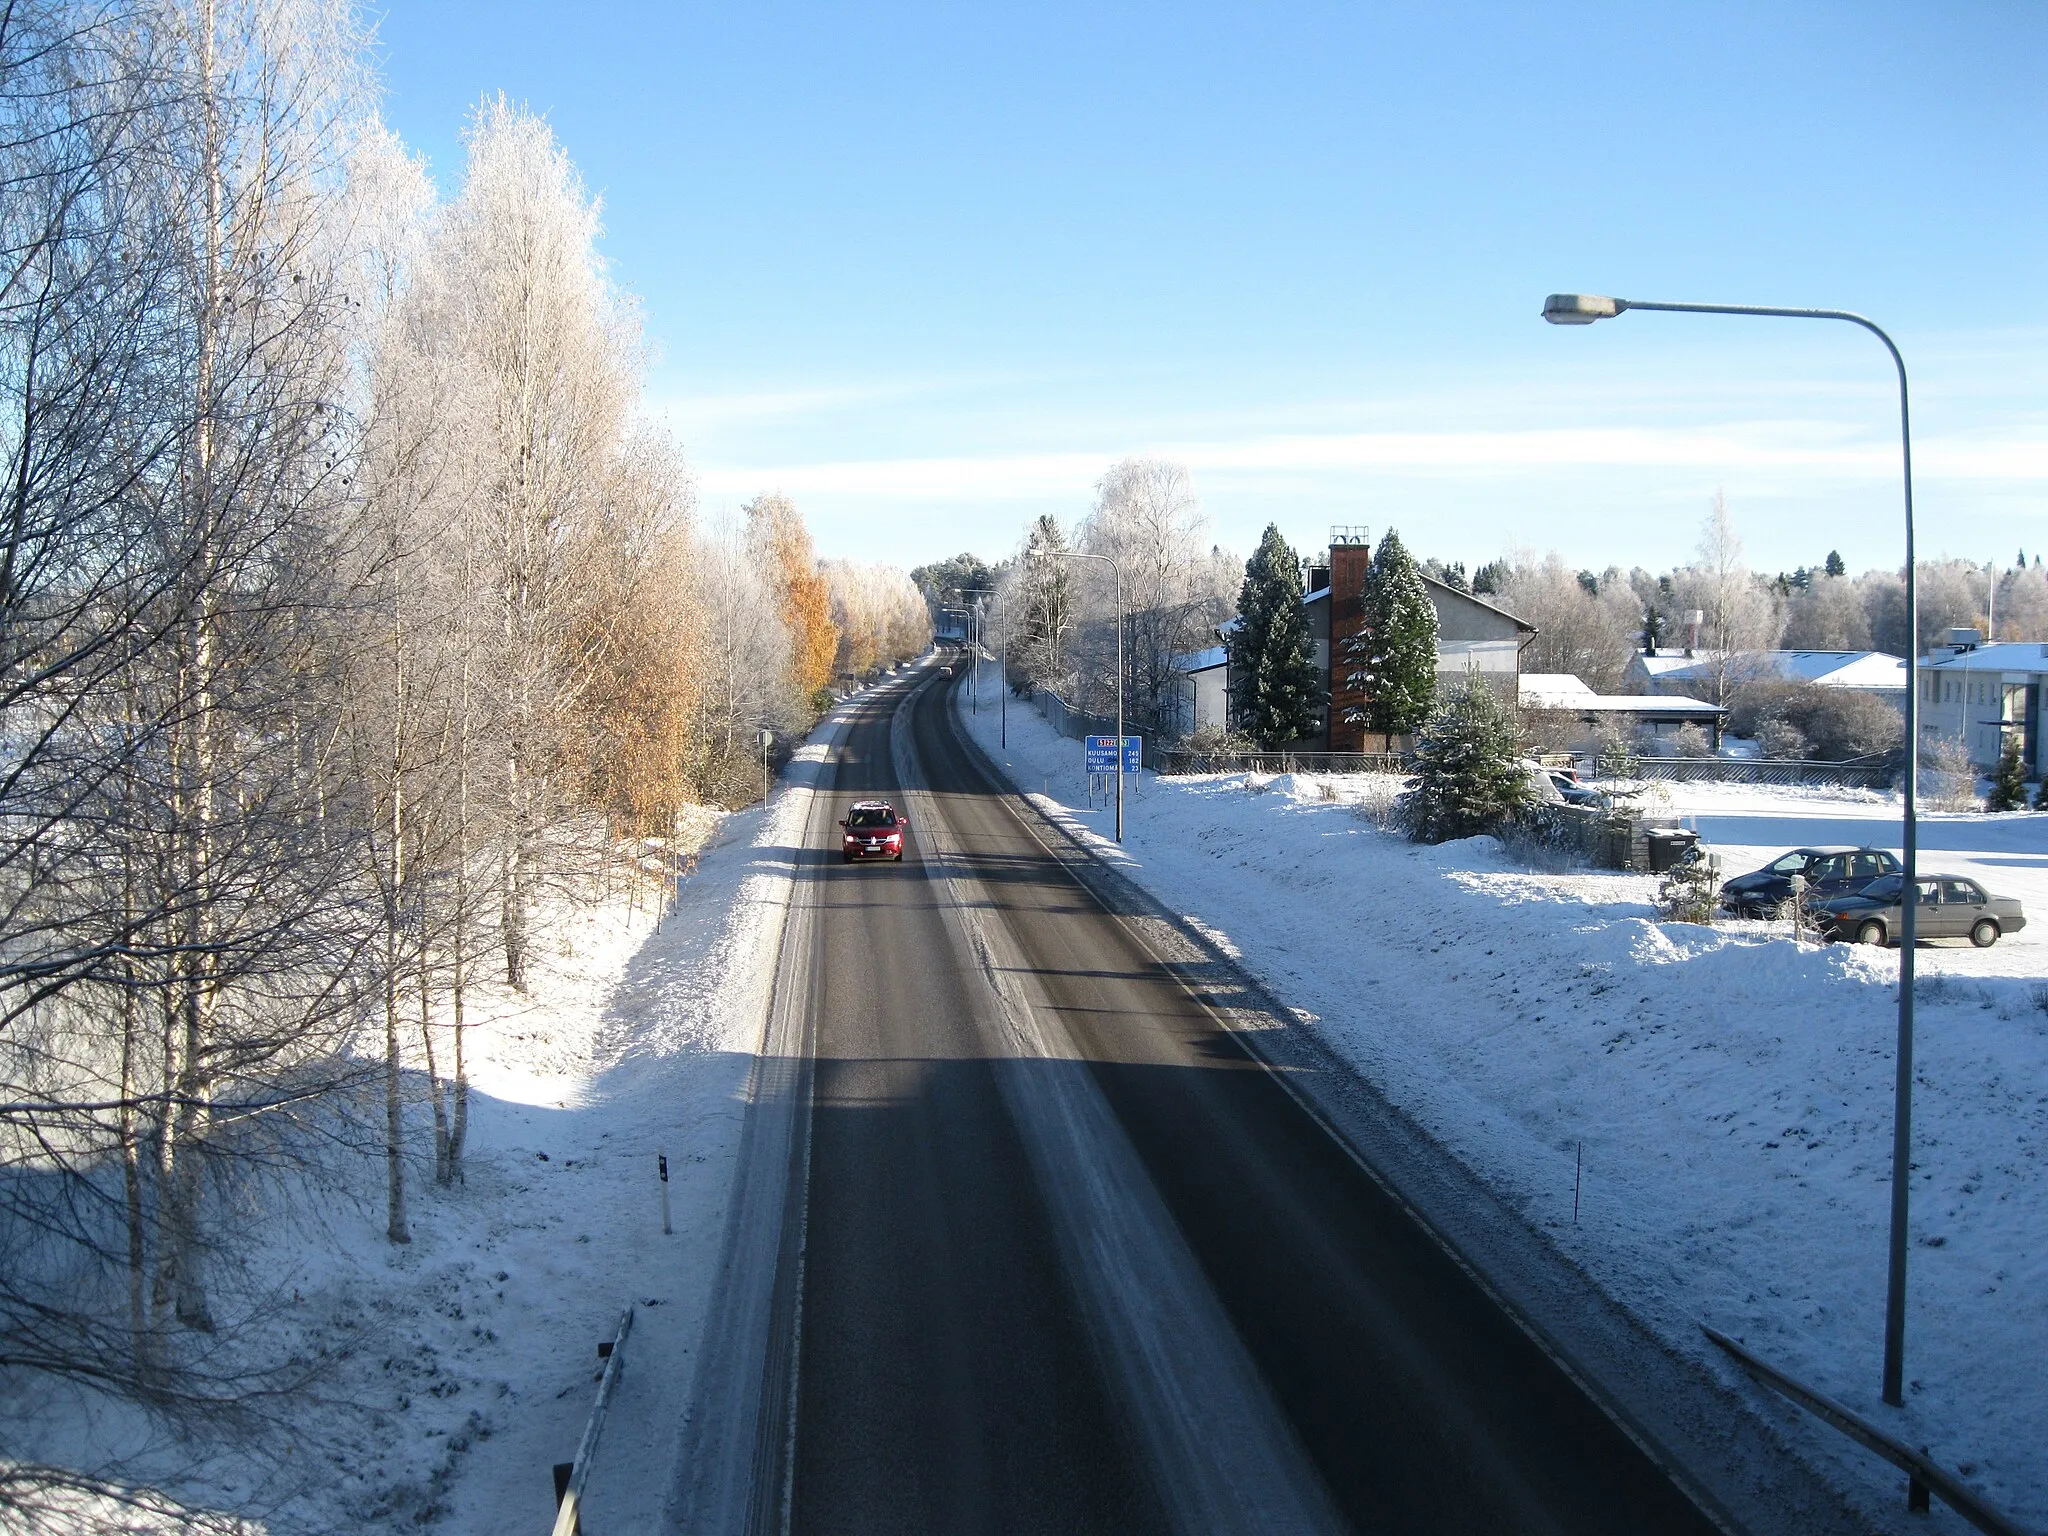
<point>1075,554</point>
<point>974,644</point>
<point>1584,309</point>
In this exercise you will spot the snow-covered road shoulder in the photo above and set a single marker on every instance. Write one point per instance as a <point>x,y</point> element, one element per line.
<point>1728,1089</point>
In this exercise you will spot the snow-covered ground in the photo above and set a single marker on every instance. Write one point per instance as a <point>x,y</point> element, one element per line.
<point>1731,1088</point>
<point>462,1365</point>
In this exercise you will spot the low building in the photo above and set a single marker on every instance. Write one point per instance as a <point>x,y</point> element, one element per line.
<point>1564,715</point>
<point>1981,694</point>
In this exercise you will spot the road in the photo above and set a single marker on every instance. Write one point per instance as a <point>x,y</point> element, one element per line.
<point>1062,1256</point>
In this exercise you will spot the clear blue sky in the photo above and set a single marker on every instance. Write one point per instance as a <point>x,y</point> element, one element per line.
<point>931,269</point>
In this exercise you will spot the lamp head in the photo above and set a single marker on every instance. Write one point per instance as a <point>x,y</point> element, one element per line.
<point>1580,308</point>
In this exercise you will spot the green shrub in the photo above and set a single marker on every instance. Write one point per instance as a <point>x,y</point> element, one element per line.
<point>1468,774</point>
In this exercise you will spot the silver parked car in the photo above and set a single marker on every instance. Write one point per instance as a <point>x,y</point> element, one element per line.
<point>1950,907</point>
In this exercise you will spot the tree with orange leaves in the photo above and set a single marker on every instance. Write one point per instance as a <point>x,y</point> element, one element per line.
<point>782,546</point>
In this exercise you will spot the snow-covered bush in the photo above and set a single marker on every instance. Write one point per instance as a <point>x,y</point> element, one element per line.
<point>1948,779</point>
<point>1211,738</point>
<point>1550,837</point>
<point>1688,741</point>
<point>1687,892</point>
<point>1468,768</point>
<point>1831,724</point>
<point>1780,738</point>
<point>1379,802</point>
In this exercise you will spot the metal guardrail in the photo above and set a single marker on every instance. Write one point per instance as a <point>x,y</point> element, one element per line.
<point>1178,760</point>
<point>1922,1474</point>
<point>569,1488</point>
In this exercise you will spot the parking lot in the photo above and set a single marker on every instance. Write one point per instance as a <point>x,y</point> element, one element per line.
<point>1749,826</point>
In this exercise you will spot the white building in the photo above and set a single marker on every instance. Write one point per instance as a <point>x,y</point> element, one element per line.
<point>1981,693</point>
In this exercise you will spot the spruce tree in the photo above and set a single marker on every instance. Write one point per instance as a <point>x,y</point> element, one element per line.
<point>1469,776</point>
<point>1393,655</point>
<point>1273,671</point>
<point>2009,783</point>
<point>1834,565</point>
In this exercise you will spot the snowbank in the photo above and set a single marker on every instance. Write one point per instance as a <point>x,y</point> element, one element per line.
<point>1730,1088</point>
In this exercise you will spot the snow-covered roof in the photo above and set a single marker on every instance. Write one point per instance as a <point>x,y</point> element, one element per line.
<point>1318,595</point>
<point>1562,690</point>
<point>1669,705</point>
<point>1669,662</point>
<point>1201,661</point>
<point>1824,669</point>
<point>1558,690</point>
<point>1839,669</point>
<point>2001,656</point>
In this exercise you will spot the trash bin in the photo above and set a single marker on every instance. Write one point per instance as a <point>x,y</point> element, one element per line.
<point>1667,845</point>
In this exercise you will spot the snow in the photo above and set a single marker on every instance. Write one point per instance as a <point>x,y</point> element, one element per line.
<point>1731,1088</point>
<point>461,1366</point>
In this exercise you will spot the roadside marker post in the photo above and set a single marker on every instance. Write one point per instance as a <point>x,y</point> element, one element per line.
<point>666,1229</point>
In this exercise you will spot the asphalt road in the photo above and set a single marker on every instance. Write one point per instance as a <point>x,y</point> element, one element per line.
<point>1072,1260</point>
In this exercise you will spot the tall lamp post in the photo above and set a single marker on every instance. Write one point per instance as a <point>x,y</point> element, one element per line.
<point>1584,309</point>
<point>974,644</point>
<point>1075,554</point>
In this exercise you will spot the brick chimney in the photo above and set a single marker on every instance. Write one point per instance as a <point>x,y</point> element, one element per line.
<point>1350,554</point>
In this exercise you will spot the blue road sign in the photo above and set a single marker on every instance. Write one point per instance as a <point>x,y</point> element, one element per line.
<point>1100,753</point>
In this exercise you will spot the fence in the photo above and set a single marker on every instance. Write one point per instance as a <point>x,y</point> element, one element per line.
<point>1076,723</point>
<point>1862,773</point>
<point>1181,761</point>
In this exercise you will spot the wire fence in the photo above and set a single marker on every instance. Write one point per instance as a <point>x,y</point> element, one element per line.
<point>1182,761</point>
<point>1863,773</point>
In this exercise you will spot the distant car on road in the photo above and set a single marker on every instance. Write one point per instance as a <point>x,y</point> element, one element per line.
<point>1827,871</point>
<point>873,831</point>
<point>1951,907</point>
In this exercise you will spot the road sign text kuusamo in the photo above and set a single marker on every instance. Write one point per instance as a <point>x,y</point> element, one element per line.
<point>1100,752</point>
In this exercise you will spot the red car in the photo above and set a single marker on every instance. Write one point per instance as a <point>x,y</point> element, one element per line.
<point>873,831</point>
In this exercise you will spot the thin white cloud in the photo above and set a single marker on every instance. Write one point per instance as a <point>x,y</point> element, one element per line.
<point>1803,451</point>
